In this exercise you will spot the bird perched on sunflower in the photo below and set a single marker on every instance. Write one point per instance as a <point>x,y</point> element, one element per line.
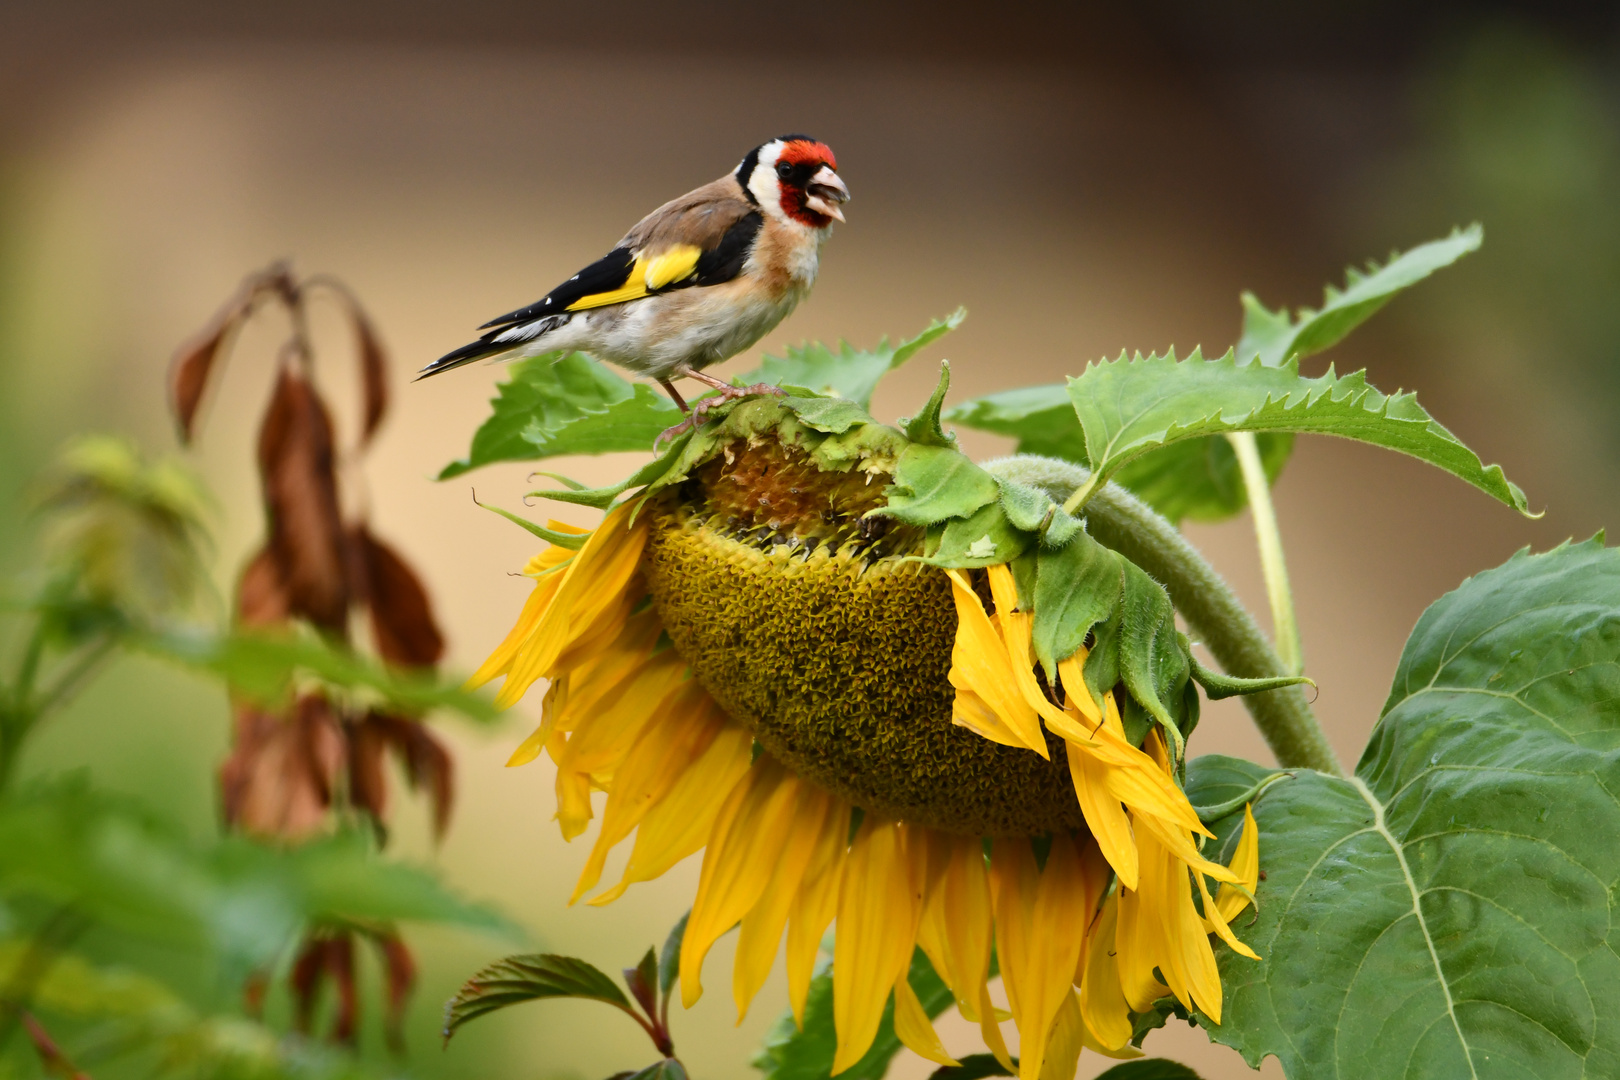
<point>696,281</point>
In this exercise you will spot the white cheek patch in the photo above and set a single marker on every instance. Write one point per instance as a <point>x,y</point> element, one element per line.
<point>763,183</point>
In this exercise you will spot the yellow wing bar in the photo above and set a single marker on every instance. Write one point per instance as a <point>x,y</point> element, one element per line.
<point>647,275</point>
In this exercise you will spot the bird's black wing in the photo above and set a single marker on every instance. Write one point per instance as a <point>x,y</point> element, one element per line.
<point>606,274</point>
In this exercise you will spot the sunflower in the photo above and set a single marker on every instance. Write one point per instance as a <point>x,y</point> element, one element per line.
<point>785,651</point>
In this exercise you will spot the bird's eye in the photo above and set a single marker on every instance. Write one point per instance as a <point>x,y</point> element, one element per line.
<point>784,170</point>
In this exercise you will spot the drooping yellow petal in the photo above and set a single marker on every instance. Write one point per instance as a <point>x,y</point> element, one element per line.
<point>534,608</point>
<point>1105,817</point>
<point>1102,1003</point>
<point>682,820</point>
<point>1218,923</point>
<point>815,904</point>
<point>753,826</point>
<point>1072,677</point>
<point>879,908</point>
<point>762,927</point>
<point>979,663</point>
<point>688,721</point>
<point>1039,935</point>
<point>1016,628</point>
<point>1246,865</point>
<point>590,584</point>
<point>1064,1044</point>
<point>913,1028</point>
<point>596,748</point>
<point>969,710</point>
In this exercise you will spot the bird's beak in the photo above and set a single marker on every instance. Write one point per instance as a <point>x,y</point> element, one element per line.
<point>826,192</point>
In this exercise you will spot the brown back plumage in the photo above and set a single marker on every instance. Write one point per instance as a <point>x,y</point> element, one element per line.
<point>700,218</point>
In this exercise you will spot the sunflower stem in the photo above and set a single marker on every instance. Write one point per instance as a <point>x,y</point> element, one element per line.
<point>1123,522</point>
<point>1284,628</point>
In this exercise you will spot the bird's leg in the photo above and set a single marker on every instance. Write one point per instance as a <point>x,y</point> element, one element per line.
<point>675,395</point>
<point>724,392</point>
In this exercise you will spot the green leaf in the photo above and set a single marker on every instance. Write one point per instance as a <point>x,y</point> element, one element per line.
<point>120,866</point>
<point>1039,417</point>
<point>972,1067</point>
<point>791,1054</point>
<point>1448,910</point>
<point>545,396</point>
<point>1131,406</point>
<point>1200,478</point>
<point>984,538</point>
<point>1076,587</point>
<point>1273,337</point>
<point>263,666</point>
<point>848,373</point>
<point>924,428</point>
<point>1152,661</point>
<point>668,1069</point>
<point>669,960</point>
<point>933,483</point>
<point>530,977</point>
<point>1149,1069</point>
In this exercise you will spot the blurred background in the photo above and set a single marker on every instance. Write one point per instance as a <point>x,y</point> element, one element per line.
<point>1083,179</point>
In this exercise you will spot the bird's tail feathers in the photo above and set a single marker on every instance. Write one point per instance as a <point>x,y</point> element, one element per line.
<point>503,339</point>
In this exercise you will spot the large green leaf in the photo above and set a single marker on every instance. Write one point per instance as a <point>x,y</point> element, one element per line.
<point>791,1054</point>
<point>849,372</point>
<point>1131,406</point>
<point>565,403</point>
<point>115,864</point>
<point>1448,911</point>
<point>264,666</point>
<point>1274,337</point>
<point>1199,478</point>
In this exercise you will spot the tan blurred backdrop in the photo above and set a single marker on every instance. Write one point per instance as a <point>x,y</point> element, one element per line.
<point>1082,184</point>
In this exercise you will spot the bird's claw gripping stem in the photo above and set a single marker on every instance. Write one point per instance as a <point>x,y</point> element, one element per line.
<point>723,394</point>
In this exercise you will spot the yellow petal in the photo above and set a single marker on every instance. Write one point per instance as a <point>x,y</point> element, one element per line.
<point>1041,920</point>
<point>681,822</point>
<point>1068,1036</point>
<point>1102,1003</point>
<point>979,663</point>
<point>597,746</point>
<point>762,927</point>
<point>1072,677</point>
<point>1246,865</point>
<point>815,904</point>
<point>879,908</point>
<point>913,1028</point>
<point>688,721</point>
<point>590,584</point>
<point>500,661</point>
<point>970,711</point>
<point>754,824</point>
<point>1105,817</point>
<point>1217,923</point>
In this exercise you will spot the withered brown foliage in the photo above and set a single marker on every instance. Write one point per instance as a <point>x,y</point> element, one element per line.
<point>296,771</point>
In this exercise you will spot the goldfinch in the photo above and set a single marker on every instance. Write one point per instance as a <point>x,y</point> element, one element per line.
<point>697,281</point>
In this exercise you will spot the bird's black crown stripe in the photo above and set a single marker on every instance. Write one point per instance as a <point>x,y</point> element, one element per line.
<point>745,170</point>
<point>796,138</point>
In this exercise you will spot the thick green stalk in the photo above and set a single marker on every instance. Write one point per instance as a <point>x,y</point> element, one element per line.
<point>1123,522</point>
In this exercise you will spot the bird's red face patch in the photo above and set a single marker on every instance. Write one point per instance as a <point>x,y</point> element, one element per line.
<point>806,152</point>
<point>798,161</point>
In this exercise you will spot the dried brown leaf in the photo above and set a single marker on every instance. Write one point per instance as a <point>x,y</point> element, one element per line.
<point>373,373</point>
<point>326,955</point>
<point>399,974</point>
<point>297,468</point>
<point>261,594</point>
<point>189,370</point>
<point>368,785</point>
<point>427,764</point>
<point>279,778</point>
<point>402,622</point>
